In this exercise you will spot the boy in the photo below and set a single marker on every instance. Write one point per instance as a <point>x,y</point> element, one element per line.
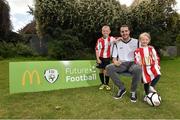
<point>147,57</point>
<point>103,54</point>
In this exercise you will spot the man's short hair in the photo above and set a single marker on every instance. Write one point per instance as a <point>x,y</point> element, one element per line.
<point>124,26</point>
<point>128,26</point>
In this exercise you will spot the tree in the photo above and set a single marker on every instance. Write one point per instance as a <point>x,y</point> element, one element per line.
<point>5,23</point>
<point>156,17</point>
<point>86,17</point>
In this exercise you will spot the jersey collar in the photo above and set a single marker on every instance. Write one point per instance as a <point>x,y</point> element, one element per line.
<point>126,41</point>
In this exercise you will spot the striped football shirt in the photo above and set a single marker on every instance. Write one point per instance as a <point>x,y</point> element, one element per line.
<point>104,46</point>
<point>149,59</point>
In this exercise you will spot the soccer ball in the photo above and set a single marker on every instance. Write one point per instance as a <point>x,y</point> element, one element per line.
<point>153,99</point>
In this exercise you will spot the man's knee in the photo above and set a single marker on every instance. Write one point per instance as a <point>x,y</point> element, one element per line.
<point>137,68</point>
<point>109,68</point>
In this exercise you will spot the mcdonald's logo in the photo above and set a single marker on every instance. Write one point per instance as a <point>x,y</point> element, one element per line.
<point>31,76</point>
<point>147,60</point>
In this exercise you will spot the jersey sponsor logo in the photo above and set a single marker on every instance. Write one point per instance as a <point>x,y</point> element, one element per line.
<point>147,60</point>
<point>31,75</point>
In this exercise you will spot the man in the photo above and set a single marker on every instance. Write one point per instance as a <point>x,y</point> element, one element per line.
<point>123,61</point>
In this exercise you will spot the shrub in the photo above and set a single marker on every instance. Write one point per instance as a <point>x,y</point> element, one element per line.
<point>65,47</point>
<point>10,50</point>
<point>178,44</point>
<point>7,49</point>
<point>178,39</point>
<point>24,50</point>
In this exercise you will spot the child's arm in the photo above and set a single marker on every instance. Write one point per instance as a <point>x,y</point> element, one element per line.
<point>115,60</point>
<point>115,39</point>
<point>97,52</point>
<point>156,57</point>
<point>119,38</point>
<point>137,57</point>
<point>97,57</point>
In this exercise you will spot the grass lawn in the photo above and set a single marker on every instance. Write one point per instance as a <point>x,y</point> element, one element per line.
<point>89,102</point>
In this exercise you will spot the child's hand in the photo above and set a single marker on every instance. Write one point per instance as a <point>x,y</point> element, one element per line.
<point>99,61</point>
<point>139,63</point>
<point>119,39</point>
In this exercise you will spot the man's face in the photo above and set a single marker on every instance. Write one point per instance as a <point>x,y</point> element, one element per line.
<point>124,31</point>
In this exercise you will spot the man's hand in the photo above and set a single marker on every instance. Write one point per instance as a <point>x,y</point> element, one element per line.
<point>117,63</point>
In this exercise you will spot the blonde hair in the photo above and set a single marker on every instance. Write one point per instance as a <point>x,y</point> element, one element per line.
<point>145,34</point>
<point>106,26</point>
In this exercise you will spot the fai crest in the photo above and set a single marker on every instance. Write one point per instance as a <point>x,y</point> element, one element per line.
<point>51,75</point>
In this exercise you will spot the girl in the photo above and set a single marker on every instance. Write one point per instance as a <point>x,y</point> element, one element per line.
<point>147,57</point>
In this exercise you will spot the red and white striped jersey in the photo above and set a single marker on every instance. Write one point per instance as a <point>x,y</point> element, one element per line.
<point>104,46</point>
<point>148,58</point>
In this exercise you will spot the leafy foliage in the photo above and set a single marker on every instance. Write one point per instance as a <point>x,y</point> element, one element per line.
<point>11,43</point>
<point>156,17</point>
<point>10,50</point>
<point>178,39</point>
<point>178,44</point>
<point>5,23</point>
<point>86,17</point>
<point>65,47</point>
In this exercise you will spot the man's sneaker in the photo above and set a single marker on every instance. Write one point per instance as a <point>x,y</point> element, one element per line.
<point>133,97</point>
<point>120,94</point>
<point>151,89</point>
<point>102,86</point>
<point>145,98</point>
<point>108,87</point>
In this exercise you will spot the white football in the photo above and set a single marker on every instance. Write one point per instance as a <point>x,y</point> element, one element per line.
<point>153,99</point>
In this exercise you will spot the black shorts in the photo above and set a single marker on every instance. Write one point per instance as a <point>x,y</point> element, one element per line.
<point>104,62</point>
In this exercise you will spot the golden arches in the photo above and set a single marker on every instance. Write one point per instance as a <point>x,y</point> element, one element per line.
<point>31,75</point>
